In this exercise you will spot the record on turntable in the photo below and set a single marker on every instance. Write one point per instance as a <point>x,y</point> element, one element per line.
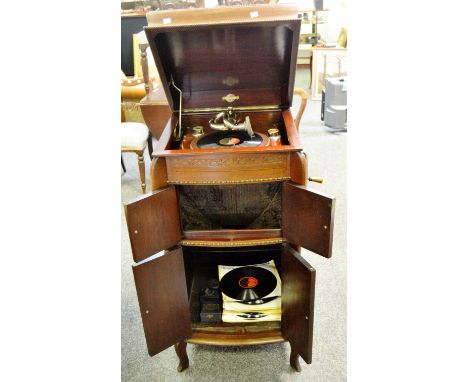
<point>229,139</point>
<point>228,132</point>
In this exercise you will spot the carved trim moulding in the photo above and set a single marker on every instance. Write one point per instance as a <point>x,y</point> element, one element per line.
<point>233,243</point>
<point>220,182</point>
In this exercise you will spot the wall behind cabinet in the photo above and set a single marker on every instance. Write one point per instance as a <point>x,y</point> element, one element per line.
<point>128,27</point>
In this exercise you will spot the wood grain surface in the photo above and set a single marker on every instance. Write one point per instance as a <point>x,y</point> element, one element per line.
<point>217,339</point>
<point>221,14</point>
<point>158,173</point>
<point>254,61</point>
<point>153,223</point>
<point>162,295</point>
<point>297,302</point>
<point>156,111</point>
<point>308,218</point>
<point>227,168</point>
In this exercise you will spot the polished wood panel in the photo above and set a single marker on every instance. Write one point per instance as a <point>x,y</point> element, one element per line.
<point>308,218</point>
<point>221,14</point>
<point>158,173</point>
<point>217,339</point>
<point>236,327</point>
<point>162,295</point>
<point>153,222</point>
<point>211,61</point>
<point>165,140</point>
<point>246,97</point>
<point>226,169</point>
<point>210,242</point>
<point>233,234</point>
<point>299,168</point>
<point>232,238</point>
<point>156,111</point>
<point>291,129</point>
<point>297,303</point>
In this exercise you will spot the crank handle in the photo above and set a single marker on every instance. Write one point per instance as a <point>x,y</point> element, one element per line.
<point>316,180</point>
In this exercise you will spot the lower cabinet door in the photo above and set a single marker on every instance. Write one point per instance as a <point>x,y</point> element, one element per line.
<point>297,301</point>
<point>308,218</point>
<point>162,295</point>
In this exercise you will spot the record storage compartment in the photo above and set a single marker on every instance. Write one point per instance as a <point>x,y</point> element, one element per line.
<point>168,282</point>
<point>201,264</point>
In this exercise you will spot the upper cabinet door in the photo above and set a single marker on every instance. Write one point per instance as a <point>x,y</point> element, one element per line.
<point>153,222</point>
<point>308,218</point>
<point>297,301</point>
<point>162,295</point>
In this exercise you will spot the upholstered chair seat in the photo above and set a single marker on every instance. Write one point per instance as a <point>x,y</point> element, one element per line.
<point>134,135</point>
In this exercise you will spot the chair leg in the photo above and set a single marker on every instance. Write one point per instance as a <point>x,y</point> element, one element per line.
<point>141,166</point>
<point>150,145</point>
<point>123,164</point>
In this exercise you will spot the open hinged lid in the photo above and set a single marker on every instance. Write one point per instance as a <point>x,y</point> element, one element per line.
<point>242,57</point>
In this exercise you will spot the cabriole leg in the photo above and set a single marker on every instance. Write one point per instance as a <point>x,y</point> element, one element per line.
<point>294,360</point>
<point>181,350</point>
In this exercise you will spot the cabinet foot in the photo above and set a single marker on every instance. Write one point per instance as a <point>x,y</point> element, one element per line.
<point>294,360</point>
<point>181,351</point>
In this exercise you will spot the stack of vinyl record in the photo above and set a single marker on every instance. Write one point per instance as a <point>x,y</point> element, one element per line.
<point>250,292</point>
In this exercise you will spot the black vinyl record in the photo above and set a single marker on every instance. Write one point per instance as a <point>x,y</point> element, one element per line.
<point>224,139</point>
<point>248,283</point>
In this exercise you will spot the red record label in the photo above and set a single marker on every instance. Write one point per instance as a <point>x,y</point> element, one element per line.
<point>248,282</point>
<point>229,141</point>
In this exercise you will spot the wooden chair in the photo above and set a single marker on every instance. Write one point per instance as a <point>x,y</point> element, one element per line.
<point>135,137</point>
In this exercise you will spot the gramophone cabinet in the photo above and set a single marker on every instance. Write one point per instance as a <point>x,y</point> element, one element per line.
<point>226,205</point>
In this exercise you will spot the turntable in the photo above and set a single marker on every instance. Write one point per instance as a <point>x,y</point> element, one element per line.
<point>232,139</point>
<point>228,180</point>
<point>236,134</point>
<point>230,133</point>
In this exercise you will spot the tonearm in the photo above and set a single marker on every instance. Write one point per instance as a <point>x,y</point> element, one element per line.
<point>230,122</point>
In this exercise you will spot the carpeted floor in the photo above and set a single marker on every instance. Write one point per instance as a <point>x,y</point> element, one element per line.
<point>327,158</point>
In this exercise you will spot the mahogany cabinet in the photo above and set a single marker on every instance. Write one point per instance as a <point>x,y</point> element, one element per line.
<point>233,206</point>
<point>171,263</point>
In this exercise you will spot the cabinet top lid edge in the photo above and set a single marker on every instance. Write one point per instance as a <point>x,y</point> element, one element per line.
<point>241,55</point>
